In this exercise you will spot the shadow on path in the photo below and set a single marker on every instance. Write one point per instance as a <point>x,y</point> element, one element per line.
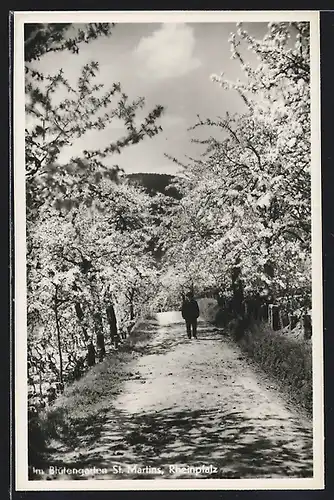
<point>239,447</point>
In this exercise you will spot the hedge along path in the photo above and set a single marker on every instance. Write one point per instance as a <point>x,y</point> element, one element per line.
<point>193,403</point>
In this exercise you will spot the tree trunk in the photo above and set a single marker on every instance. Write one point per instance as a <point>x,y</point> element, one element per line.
<point>90,348</point>
<point>40,388</point>
<point>132,313</point>
<point>101,350</point>
<point>112,324</point>
<point>61,377</point>
<point>91,354</point>
<point>237,289</point>
<point>269,270</point>
<point>80,316</point>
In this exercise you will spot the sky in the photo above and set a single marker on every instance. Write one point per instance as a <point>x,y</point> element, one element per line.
<point>168,64</point>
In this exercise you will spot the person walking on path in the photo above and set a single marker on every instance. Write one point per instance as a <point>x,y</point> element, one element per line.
<point>190,313</point>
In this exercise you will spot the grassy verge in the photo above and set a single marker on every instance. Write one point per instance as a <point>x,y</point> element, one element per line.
<point>287,358</point>
<point>78,415</point>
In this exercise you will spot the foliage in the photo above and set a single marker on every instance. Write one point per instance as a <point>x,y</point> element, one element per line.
<point>40,39</point>
<point>58,115</point>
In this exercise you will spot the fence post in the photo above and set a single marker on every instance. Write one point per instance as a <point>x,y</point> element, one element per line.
<point>292,321</point>
<point>270,313</point>
<point>264,314</point>
<point>274,320</point>
<point>307,326</point>
<point>284,318</point>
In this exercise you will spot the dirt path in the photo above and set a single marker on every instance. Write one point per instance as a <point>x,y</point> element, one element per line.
<point>194,403</point>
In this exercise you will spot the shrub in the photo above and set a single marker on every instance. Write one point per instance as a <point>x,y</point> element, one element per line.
<point>285,358</point>
<point>37,440</point>
<point>288,360</point>
<point>208,309</point>
<point>211,312</point>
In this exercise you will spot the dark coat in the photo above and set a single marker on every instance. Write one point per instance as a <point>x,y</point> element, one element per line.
<point>190,310</point>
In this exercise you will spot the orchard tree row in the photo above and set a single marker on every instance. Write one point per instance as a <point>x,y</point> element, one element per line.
<point>91,267</point>
<point>243,226</point>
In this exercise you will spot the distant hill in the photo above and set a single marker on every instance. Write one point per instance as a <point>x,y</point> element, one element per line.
<point>155,183</point>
